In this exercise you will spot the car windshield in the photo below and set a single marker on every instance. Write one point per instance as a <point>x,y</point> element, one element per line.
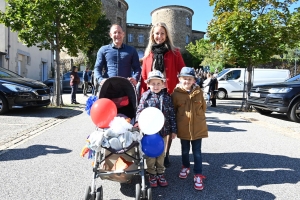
<point>4,73</point>
<point>295,78</point>
<point>222,72</point>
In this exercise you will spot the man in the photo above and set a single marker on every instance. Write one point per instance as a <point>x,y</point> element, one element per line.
<point>86,81</point>
<point>74,81</point>
<point>117,59</point>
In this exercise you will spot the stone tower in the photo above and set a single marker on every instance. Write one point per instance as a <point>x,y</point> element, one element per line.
<point>179,22</point>
<point>116,12</point>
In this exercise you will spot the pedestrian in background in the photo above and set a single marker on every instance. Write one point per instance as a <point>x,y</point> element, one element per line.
<point>213,88</point>
<point>190,131</point>
<point>93,82</point>
<point>206,86</point>
<point>74,81</point>
<point>117,59</point>
<point>85,81</point>
<point>162,55</point>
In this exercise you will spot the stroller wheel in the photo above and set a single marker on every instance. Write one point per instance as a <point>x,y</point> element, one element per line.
<point>87,194</point>
<point>99,193</point>
<point>137,191</point>
<point>149,194</point>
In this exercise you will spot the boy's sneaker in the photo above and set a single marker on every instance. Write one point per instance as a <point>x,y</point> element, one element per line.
<point>198,181</point>
<point>152,180</point>
<point>184,172</point>
<point>161,180</point>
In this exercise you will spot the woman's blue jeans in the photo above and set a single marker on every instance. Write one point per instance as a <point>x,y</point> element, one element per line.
<point>196,148</point>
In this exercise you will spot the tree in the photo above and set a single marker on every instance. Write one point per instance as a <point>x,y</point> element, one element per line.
<point>253,31</point>
<point>56,25</point>
<point>97,37</point>
<point>208,53</point>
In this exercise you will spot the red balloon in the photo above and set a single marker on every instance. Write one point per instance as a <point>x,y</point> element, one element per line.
<point>103,112</point>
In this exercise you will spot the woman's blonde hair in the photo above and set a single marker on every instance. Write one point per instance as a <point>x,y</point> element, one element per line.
<point>168,42</point>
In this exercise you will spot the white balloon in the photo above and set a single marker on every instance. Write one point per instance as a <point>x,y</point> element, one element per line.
<point>151,120</point>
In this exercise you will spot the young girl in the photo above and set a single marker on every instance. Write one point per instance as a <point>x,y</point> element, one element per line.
<point>190,109</point>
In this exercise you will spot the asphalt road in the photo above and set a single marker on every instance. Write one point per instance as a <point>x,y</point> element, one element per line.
<point>246,156</point>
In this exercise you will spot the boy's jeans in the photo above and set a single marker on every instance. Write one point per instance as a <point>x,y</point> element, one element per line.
<point>196,148</point>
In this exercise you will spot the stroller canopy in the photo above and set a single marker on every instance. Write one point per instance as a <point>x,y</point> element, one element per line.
<point>117,87</point>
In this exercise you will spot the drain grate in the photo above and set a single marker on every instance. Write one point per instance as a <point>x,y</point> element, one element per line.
<point>62,117</point>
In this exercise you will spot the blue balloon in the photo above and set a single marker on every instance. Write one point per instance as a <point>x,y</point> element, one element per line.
<point>153,145</point>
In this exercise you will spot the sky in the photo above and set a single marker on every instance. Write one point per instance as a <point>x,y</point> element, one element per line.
<point>139,11</point>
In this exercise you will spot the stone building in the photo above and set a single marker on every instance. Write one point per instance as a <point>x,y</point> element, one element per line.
<point>177,18</point>
<point>26,61</point>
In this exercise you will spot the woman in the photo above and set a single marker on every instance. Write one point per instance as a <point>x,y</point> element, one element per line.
<point>162,55</point>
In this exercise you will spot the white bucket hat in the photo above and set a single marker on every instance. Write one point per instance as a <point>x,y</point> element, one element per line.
<point>155,75</point>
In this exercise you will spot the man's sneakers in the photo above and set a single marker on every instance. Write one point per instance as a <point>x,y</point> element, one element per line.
<point>152,180</point>
<point>162,180</point>
<point>198,181</point>
<point>184,172</point>
<point>157,179</point>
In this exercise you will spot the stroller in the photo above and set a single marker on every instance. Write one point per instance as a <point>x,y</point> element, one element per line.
<point>105,160</point>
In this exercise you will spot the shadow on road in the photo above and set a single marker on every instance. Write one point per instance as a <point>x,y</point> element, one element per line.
<point>45,112</point>
<point>231,176</point>
<point>32,152</point>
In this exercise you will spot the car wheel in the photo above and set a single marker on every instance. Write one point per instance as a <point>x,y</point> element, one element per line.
<point>222,94</point>
<point>3,105</point>
<point>262,111</point>
<point>294,112</point>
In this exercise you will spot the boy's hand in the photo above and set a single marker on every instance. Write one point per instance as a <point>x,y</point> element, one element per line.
<point>136,125</point>
<point>174,135</point>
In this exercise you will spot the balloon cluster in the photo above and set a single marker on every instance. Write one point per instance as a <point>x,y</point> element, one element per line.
<point>103,112</point>
<point>151,121</point>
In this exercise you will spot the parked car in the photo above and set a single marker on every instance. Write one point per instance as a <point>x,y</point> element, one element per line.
<point>19,92</point>
<point>231,81</point>
<point>66,81</point>
<point>283,97</point>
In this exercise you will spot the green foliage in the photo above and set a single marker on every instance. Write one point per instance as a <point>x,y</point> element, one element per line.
<point>253,31</point>
<point>98,37</point>
<point>53,24</point>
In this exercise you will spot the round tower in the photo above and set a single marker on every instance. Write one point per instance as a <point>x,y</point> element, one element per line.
<point>116,12</point>
<point>178,20</point>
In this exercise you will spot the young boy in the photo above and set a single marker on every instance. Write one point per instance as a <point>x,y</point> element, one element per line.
<point>158,97</point>
<point>190,109</point>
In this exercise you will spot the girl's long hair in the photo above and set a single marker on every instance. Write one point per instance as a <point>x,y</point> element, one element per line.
<point>169,41</point>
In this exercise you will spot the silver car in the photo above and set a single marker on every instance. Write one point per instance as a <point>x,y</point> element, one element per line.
<point>66,82</point>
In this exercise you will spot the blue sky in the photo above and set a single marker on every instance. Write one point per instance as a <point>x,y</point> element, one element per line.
<point>139,11</point>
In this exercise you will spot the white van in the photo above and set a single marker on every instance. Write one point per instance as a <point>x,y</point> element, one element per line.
<point>232,80</point>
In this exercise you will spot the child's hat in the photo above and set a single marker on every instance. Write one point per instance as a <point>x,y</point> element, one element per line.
<point>155,75</point>
<point>187,71</point>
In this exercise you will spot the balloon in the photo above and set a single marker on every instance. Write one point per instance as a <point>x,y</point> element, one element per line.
<point>153,145</point>
<point>151,120</point>
<point>103,112</point>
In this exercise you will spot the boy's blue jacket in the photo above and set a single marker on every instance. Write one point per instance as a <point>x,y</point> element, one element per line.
<point>162,101</point>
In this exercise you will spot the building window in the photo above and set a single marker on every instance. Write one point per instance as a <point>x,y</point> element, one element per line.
<point>187,21</point>
<point>130,37</point>
<point>119,4</point>
<point>28,60</point>
<point>119,20</point>
<point>187,39</point>
<point>141,38</point>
